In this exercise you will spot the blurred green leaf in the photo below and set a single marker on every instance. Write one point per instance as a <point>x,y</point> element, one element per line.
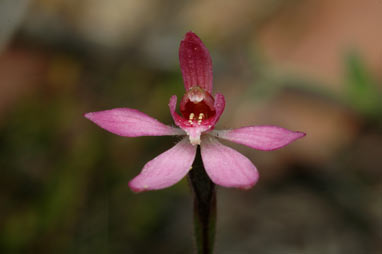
<point>362,91</point>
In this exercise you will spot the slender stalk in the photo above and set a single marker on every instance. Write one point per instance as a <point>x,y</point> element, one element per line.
<point>204,193</point>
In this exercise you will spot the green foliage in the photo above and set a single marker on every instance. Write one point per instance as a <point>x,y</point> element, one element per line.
<point>363,94</point>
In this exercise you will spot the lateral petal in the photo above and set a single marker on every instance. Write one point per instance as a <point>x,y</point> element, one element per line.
<point>131,123</point>
<point>227,167</point>
<point>260,137</point>
<point>166,169</point>
<point>219,107</point>
<point>195,63</point>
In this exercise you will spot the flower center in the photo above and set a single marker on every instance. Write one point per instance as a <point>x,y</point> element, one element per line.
<point>197,106</point>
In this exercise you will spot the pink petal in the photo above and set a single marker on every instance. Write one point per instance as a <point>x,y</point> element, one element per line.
<point>219,107</point>
<point>195,63</point>
<point>179,121</point>
<point>131,123</point>
<point>227,167</point>
<point>260,137</point>
<point>166,169</point>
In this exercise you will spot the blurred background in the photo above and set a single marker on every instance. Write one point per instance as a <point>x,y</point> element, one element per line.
<point>307,65</point>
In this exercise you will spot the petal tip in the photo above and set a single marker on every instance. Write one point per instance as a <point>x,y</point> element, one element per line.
<point>88,115</point>
<point>190,36</point>
<point>301,134</point>
<point>298,134</point>
<point>251,184</point>
<point>172,101</point>
<point>295,135</point>
<point>243,186</point>
<point>135,188</point>
<point>246,187</point>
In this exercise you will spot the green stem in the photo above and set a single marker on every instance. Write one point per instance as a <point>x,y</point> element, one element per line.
<point>204,206</point>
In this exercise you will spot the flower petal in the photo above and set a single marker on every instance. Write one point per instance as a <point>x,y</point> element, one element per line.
<point>195,63</point>
<point>260,137</point>
<point>166,169</point>
<point>131,123</point>
<point>219,107</point>
<point>227,167</point>
<point>179,121</point>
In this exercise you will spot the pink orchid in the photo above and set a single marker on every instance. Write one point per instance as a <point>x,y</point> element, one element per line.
<point>200,112</point>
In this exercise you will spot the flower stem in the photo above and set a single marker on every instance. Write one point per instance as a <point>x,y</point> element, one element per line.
<point>204,206</point>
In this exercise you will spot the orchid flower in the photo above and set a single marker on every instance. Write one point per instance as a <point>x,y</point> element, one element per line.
<point>200,111</point>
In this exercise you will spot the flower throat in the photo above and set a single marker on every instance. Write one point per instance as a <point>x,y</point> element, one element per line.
<point>197,106</point>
